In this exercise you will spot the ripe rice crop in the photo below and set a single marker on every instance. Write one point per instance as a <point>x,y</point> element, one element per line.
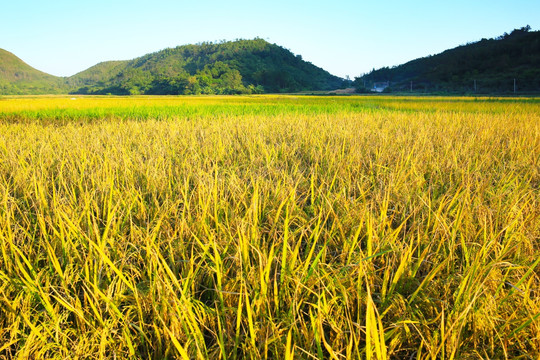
<point>269,227</point>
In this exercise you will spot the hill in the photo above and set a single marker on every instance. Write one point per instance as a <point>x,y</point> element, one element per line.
<point>19,78</point>
<point>492,63</point>
<point>96,74</point>
<point>234,67</point>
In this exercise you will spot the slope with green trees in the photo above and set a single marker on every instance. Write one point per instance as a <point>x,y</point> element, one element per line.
<point>19,78</point>
<point>234,67</point>
<point>96,74</point>
<point>492,64</point>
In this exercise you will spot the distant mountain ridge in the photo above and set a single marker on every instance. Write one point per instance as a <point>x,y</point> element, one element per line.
<point>256,66</point>
<point>486,66</point>
<point>232,67</point>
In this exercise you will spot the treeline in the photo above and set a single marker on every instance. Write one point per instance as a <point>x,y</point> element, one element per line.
<point>234,67</point>
<point>486,66</point>
<point>24,88</point>
<point>217,78</point>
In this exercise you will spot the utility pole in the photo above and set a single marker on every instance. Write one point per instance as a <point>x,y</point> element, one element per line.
<point>411,86</point>
<point>514,85</point>
<point>475,85</point>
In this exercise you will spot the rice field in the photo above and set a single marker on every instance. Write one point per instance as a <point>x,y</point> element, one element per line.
<point>269,227</point>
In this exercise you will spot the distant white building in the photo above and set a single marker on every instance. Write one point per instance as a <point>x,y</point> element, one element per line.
<point>380,86</point>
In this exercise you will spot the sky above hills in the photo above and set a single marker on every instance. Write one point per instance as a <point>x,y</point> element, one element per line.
<point>344,37</point>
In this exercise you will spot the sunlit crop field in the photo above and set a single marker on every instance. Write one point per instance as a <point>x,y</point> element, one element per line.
<point>271,227</point>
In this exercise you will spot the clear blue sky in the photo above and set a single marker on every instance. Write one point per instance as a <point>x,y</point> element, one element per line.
<point>344,37</point>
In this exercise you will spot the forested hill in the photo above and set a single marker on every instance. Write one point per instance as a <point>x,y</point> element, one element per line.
<point>493,63</point>
<point>18,78</point>
<point>235,67</point>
